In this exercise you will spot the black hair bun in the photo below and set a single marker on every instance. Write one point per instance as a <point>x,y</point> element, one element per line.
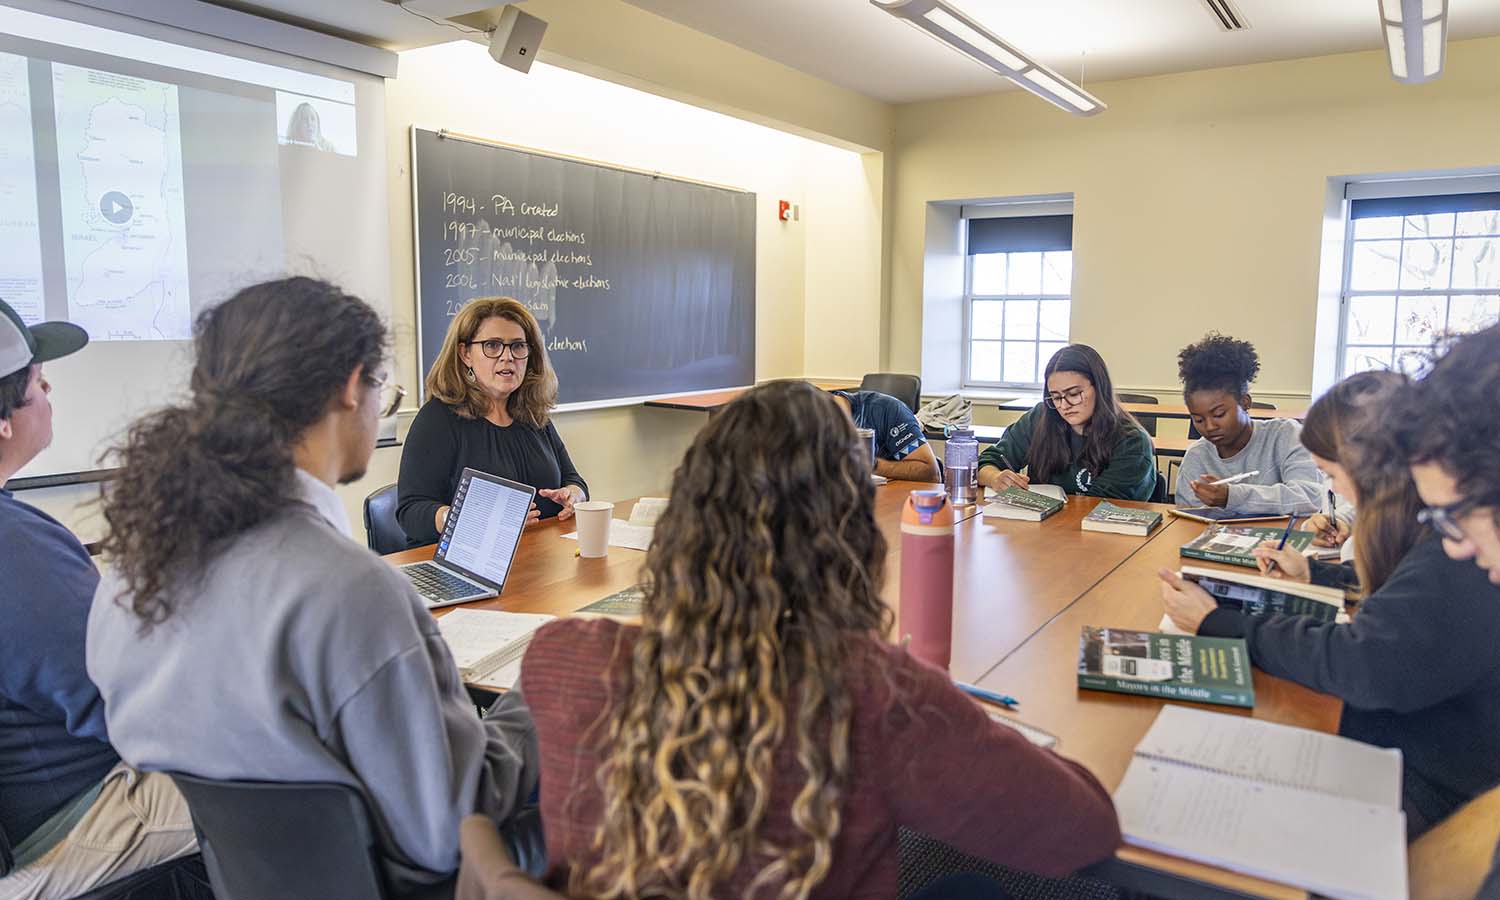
<point>1218,362</point>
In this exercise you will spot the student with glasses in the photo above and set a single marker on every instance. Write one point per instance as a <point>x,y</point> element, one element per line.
<point>1447,428</point>
<point>490,396</point>
<point>1079,437</point>
<point>1417,665</point>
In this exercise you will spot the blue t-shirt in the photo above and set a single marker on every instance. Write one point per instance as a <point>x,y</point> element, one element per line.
<point>897,431</point>
<point>53,742</point>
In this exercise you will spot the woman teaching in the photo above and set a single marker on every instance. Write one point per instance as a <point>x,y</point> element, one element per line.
<point>1078,438</point>
<point>490,395</point>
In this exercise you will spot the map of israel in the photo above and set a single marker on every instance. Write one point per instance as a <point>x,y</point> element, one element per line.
<point>119,154</point>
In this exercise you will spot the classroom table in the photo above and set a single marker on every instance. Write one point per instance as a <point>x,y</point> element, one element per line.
<point>1100,729</point>
<point>1164,410</point>
<point>1022,592</point>
<point>713,401</point>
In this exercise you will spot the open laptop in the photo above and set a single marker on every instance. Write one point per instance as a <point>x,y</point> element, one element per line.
<point>478,543</point>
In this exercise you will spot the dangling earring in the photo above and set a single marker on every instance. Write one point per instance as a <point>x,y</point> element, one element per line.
<point>470,371</point>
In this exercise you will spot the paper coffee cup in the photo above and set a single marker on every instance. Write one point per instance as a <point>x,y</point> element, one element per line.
<point>593,518</point>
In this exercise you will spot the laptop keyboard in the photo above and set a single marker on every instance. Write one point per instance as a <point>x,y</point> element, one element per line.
<point>437,585</point>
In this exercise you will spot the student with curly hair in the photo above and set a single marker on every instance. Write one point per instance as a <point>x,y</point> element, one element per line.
<point>1216,375</point>
<point>755,735</point>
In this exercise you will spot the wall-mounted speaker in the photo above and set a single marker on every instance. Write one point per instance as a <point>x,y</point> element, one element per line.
<point>515,40</point>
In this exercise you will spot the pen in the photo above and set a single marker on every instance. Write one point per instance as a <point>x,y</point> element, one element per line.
<point>981,693</point>
<point>1240,477</point>
<point>1271,563</point>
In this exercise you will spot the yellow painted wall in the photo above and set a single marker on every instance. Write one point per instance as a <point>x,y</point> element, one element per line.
<point>1198,197</point>
<point>613,40</point>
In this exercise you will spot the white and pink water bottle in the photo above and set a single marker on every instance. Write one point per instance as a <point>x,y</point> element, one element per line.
<point>926,605</point>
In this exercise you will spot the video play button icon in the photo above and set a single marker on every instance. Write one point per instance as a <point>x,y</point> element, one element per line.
<point>116,207</point>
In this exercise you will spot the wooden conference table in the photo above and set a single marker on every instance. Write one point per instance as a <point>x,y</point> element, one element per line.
<point>1022,592</point>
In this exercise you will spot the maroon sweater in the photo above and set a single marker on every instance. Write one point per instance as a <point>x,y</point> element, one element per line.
<point>922,755</point>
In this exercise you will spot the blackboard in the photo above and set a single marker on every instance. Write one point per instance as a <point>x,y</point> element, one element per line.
<point>644,285</point>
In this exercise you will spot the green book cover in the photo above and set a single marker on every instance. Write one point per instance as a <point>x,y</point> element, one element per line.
<point>624,604</point>
<point>1024,499</point>
<point>1169,666</point>
<point>1231,544</point>
<point>1109,517</point>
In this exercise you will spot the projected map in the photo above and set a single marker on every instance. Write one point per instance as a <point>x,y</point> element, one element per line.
<point>119,154</point>
<point>20,233</point>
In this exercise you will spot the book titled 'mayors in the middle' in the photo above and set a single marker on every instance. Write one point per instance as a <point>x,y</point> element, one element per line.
<point>1169,666</point>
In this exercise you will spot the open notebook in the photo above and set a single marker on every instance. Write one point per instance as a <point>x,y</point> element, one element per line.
<point>487,645</point>
<point>1303,808</point>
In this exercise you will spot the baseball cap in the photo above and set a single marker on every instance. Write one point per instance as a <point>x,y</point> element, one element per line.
<point>20,345</point>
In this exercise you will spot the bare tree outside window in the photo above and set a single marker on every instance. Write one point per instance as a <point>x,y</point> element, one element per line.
<point>1413,278</point>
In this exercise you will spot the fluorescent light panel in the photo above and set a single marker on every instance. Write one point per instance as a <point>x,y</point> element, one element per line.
<point>949,25</point>
<point>1416,34</point>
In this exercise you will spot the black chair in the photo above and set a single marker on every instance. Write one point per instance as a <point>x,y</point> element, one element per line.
<point>265,840</point>
<point>1160,495</point>
<point>1193,433</point>
<point>382,532</point>
<point>906,388</point>
<point>1147,422</point>
<point>180,879</point>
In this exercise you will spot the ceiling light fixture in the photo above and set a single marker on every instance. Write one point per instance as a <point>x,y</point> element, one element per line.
<point>1416,35</point>
<point>951,26</point>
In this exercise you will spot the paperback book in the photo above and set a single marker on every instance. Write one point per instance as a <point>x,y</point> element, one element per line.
<point>1018,503</point>
<point>1231,544</point>
<point>1121,520</point>
<point>1172,667</point>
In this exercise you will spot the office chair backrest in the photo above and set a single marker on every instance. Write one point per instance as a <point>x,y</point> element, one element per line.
<point>1160,494</point>
<point>1147,422</point>
<point>265,840</point>
<point>382,532</point>
<point>906,388</point>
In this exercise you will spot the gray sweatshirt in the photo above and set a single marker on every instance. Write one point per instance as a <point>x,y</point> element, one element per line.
<point>1288,484</point>
<point>302,656</point>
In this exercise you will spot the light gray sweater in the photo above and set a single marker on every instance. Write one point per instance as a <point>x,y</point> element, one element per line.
<point>1288,484</point>
<point>302,656</point>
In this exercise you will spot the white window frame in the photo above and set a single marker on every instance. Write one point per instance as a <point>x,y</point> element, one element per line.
<point>1029,208</point>
<point>1384,189</point>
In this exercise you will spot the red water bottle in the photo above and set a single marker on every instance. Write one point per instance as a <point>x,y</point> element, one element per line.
<point>926,605</point>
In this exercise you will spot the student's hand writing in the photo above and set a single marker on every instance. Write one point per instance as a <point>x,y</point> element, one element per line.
<point>1187,604</point>
<point>1210,494</point>
<point>565,496</point>
<point>1331,532</point>
<point>1290,564</point>
<point>1006,478</point>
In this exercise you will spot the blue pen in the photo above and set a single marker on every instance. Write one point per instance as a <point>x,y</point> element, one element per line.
<point>981,693</point>
<point>1271,563</point>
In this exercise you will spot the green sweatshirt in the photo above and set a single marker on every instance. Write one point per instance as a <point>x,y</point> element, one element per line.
<point>1129,475</point>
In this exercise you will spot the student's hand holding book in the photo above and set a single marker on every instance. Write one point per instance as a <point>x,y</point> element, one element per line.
<point>1289,563</point>
<point>1331,532</point>
<point>1187,604</point>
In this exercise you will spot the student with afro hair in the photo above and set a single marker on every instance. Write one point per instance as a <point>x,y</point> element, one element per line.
<point>1216,375</point>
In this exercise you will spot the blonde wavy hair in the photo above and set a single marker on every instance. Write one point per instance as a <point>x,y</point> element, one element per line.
<point>450,380</point>
<point>765,570</point>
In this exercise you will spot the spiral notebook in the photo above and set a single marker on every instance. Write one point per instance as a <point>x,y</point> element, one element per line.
<point>1312,810</point>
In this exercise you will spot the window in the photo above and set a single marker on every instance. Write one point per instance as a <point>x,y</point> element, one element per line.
<point>1018,285</point>
<point>1416,268</point>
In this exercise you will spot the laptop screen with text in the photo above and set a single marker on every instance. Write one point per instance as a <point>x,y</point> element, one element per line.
<point>485,526</point>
